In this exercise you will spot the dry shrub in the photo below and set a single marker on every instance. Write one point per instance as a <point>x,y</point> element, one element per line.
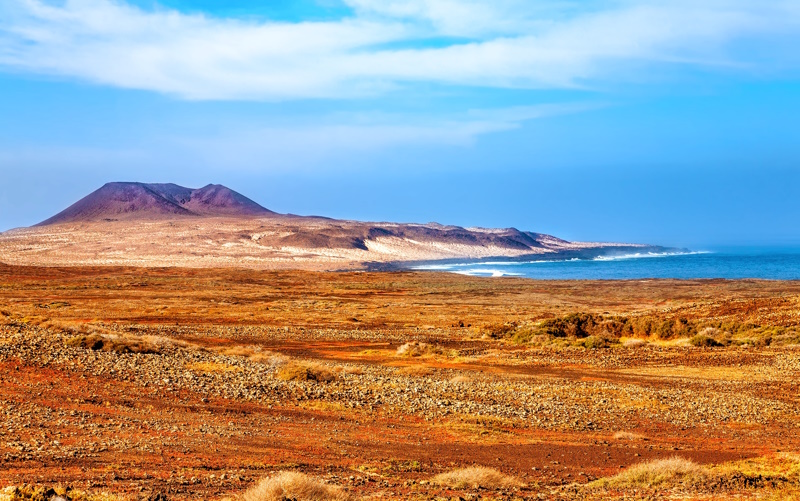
<point>537,340</point>
<point>774,476</point>
<point>28,492</point>
<point>75,327</point>
<point>704,341</point>
<point>634,343</point>
<point>418,349</point>
<point>499,331</point>
<point>777,474</point>
<point>353,370</point>
<point>627,435</point>
<point>596,342</point>
<point>297,486</point>
<point>305,371</point>
<point>779,468</point>
<point>415,370</point>
<point>475,477</point>
<point>114,344</point>
<point>583,325</point>
<point>672,472</point>
<point>268,358</point>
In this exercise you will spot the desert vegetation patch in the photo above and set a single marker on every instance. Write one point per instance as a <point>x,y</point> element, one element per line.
<point>98,342</point>
<point>592,331</point>
<point>475,477</point>
<point>293,485</point>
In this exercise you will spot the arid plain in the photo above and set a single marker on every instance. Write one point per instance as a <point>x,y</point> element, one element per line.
<point>197,383</point>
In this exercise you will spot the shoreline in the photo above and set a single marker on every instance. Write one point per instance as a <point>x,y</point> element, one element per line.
<point>681,265</point>
<point>557,256</point>
<point>46,273</point>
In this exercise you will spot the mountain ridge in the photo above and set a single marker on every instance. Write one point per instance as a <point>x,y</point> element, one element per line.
<point>134,200</point>
<point>164,224</point>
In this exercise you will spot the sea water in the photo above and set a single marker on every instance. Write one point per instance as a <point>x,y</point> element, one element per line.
<point>770,264</point>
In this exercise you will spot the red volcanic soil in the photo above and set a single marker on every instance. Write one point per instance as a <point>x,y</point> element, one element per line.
<point>205,411</point>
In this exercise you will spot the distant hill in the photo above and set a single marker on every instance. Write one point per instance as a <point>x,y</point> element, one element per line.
<point>141,224</point>
<point>115,201</point>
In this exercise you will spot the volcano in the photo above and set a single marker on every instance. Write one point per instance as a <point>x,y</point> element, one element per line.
<point>126,201</point>
<point>165,225</point>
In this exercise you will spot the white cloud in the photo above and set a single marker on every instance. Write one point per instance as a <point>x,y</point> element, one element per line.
<point>276,145</point>
<point>555,44</point>
<point>312,144</point>
<point>464,18</point>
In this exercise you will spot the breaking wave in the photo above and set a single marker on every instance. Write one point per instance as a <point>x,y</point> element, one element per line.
<point>483,272</point>
<point>771,265</point>
<point>457,267</point>
<point>648,255</point>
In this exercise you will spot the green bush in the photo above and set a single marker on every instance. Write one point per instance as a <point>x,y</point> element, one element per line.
<point>703,341</point>
<point>597,342</point>
<point>499,331</point>
<point>578,326</point>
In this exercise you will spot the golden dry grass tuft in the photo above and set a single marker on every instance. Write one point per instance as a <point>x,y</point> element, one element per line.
<point>475,477</point>
<point>672,472</point>
<point>634,343</point>
<point>353,370</point>
<point>418,349</point>
<point>627,435</point>
<point>29,492</point>
<point>297,486</point>
<point>268,358</point>
<point>784,467</point>
<point>305,371</point>
<point>771,477</point>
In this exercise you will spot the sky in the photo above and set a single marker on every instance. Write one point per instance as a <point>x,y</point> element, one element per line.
<point>671,122</point>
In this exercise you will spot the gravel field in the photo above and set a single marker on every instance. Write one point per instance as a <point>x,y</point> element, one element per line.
<point>101,391</point>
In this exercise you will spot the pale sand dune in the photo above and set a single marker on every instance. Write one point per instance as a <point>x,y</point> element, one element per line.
<point>274,242</point>
<point>138,224</point>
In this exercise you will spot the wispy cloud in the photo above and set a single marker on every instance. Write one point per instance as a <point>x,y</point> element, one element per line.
<point>501,43</point>
<point>276,144</point>
<point>345,135</point>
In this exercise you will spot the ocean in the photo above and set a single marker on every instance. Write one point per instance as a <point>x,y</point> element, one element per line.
<point>770,264</point>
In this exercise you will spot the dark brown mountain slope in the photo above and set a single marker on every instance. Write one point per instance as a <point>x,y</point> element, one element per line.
<point>116,201</point>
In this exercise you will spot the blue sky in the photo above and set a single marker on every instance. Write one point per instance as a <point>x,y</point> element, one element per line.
<point>651,121</point>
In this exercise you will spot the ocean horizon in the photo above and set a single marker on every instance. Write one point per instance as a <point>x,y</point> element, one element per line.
<point>767,263</point>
